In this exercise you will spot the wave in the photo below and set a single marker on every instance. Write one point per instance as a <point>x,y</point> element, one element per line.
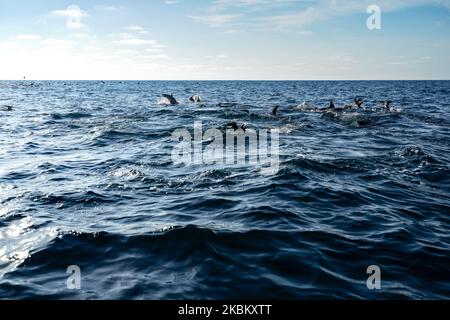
<point>268,266</point>
<point>70,115</point>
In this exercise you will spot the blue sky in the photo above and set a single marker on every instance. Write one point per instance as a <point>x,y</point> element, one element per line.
<point>224,39</point>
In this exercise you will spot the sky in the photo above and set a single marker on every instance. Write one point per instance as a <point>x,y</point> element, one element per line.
<point>223,40</point>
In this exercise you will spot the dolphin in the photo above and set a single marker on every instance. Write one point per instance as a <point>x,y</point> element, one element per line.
<point>387,104</point>
<point>195,99</point>
<point>331,105</point>
<point>275,110</point>
<point>235,126</point>
<point>170,98</point>
<point>364,122</point>
<point>359,102</point>
<point>332,109</point>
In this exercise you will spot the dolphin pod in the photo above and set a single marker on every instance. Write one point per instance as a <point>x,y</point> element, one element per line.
<point>331,110</point>
<point>169,99</point>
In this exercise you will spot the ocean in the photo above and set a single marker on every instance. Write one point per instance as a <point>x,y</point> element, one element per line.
<point>93,205</point>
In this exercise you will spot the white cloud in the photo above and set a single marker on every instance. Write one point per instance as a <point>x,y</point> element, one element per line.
<point>219,56</point>
<point>153,50</point>
<point>80,35</point>
<point>107,8</point>
<point>27,37</point>
<point>135,38</point>
<point>135,28</point>
<point>225,3</point>
<point>295,18</point>
<point>92,48</point>
<point>135,42</point>
<point>8,45</point>
<point>58,43</point>
<point>74,14</point>
<point>299,19</point>
<point>155,57</point>
<point>160,46</point>
<point>216,20</point>
<point>126,52</point>
<point>56,58</point>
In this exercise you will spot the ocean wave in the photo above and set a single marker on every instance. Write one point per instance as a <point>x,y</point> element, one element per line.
<point>269,267</point>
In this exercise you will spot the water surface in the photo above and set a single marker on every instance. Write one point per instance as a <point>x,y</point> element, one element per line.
<point>86,178</point>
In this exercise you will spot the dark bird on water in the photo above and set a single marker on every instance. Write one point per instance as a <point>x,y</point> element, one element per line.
<point>9,108</point>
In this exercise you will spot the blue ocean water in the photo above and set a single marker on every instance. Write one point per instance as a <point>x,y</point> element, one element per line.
<point>87,179</point>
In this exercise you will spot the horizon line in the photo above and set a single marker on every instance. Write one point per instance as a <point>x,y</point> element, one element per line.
<point>223,80</point>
